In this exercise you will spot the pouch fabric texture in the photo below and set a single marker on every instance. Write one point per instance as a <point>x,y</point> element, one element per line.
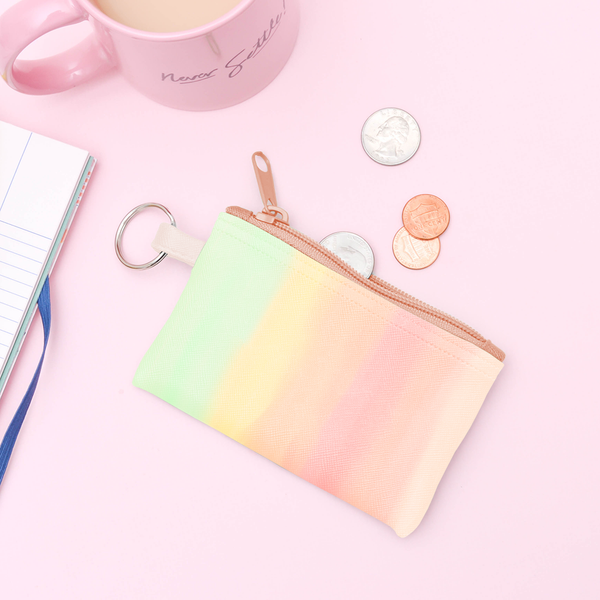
<point>318,374</point>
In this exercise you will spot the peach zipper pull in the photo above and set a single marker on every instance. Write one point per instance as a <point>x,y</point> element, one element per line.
<point>266,186</point>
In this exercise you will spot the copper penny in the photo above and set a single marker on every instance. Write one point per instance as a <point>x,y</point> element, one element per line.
<point>414,253</point>
<point>426,216</point>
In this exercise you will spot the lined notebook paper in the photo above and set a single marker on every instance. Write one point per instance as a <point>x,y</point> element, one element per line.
<point>41,184</point>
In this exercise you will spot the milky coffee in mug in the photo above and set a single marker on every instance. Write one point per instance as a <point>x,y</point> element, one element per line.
<point>165,16</point>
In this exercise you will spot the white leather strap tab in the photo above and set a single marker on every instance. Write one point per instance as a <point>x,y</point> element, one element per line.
<point>177,244</point>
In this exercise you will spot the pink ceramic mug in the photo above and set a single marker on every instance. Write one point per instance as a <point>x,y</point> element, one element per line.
<point>209,67</point>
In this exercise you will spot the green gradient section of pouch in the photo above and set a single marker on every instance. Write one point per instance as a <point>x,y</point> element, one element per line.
<point>226,297</point>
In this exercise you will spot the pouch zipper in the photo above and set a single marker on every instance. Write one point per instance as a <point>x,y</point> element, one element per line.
<point>281,230</point>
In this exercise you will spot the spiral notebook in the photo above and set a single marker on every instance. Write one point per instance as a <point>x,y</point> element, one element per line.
<point>42,182</point>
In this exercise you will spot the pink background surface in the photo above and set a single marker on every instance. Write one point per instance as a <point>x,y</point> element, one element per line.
<point>111,493</point>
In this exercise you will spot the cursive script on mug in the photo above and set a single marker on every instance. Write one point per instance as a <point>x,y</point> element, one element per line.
<point>193,79</point>
<point>236,65</point>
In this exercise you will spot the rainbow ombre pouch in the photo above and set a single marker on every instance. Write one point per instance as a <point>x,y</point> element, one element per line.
<point>367,393</point>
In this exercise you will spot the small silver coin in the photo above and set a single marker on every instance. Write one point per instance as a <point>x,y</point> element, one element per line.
<point>352,249</point>
<point>391,136</point>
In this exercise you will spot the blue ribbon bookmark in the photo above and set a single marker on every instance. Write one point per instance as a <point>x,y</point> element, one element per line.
<point>10,437</point>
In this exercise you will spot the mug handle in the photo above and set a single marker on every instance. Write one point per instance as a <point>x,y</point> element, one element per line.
<point>28,20</point>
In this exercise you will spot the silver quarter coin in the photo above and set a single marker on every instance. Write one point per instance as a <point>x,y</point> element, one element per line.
<point>352,249</point>
<point>391,136</point>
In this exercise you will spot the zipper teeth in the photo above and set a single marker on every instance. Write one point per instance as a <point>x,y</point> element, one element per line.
<point>396,294</point>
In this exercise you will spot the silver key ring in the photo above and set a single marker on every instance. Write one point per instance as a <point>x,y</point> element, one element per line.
<point>121,231</point>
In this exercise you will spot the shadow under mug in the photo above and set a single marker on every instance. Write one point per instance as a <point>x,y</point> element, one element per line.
<point>206,68</point>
